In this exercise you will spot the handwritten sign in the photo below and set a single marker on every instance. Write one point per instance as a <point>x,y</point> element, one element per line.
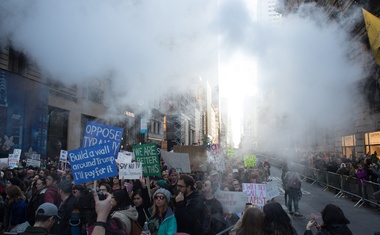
<point>130,170</point>
<point>232,202</point>
<point>271,190</point>
<point>92,163</point>
<point>96,133</point>
<point>256,193</point>
<point>249,160</point>
<point>147,154</point>
<point>180,161</point>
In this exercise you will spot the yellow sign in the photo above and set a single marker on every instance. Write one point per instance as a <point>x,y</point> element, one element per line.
<point>372,23</point>
<point>249,160</point>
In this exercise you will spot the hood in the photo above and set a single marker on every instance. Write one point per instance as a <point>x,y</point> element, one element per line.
<point>338,229</point>
<point>131,213</point>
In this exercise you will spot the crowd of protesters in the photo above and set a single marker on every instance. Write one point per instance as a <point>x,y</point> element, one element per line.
<point>172,203</point>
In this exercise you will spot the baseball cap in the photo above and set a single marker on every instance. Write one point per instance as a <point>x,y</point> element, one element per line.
<point>47,209</point>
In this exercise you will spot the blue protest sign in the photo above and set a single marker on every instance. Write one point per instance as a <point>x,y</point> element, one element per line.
<point>96,133</point>
<point>92,163</point>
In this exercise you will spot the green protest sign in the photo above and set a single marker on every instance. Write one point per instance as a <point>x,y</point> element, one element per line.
<point>147,154</point>
<point>249,160</point>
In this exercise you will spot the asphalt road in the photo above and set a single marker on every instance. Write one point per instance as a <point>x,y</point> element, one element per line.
<point>364,220</point>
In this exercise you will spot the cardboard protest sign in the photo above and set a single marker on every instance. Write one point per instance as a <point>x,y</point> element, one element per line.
<point>197,155</point>
<point>34,160</point>
<point>258,194</point>
<point>147,154</point>
<point>217,157</point>
<point>96,133</point>
<point>13,160</point>
<point>92,163</point>
<point>232,202</point>
<point>130,170</point>
<point>179,161</point>
<point>62,161</point>
<point>249,160</point>
<point>271,190</point>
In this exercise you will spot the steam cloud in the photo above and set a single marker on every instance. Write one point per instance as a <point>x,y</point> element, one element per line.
<point>151,47</point>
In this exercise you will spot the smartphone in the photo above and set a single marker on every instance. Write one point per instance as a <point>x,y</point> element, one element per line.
<point>316,222</point>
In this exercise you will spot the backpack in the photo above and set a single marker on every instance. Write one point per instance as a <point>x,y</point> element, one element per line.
<point>293,182</point>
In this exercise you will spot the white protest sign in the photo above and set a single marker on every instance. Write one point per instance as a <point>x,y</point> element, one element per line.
<point>272,190</point>
<point>130,170</point>
<point>33,162</point>
<point>256,193</point>
<point>17,152</point>
<point>124,157</point>
<point>232,202</point>
<point>13,160</point>
<point>63,156</point>
<point>179,161</point>
<point>3,163</point>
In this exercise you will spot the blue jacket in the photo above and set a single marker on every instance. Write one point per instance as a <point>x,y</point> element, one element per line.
<point>168,225</point>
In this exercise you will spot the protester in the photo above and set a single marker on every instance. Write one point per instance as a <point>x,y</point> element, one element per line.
<point>334,222</point>
<point>218,222</point>
<point>189,207</point>
<point>251,223</point>
<point>51,194</point>
<point>276,220</point>
<point>142,203</point>
<point>105,225</point>
<point>162,221</point>
<point>44,219</point>
<point>123,209</point>
<point>293,187</point>
<point>16,209</point>
<point>62,223</point>
<point>36,200</point>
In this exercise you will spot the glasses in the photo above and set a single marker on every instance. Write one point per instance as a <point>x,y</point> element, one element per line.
<point>180,186</point>
<point>159,197</point>
<point>236,184</point>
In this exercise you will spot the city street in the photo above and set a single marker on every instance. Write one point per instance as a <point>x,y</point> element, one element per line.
<point>364,220</point>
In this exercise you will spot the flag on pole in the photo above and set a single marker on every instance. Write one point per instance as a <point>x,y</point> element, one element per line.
<point>372,23</point>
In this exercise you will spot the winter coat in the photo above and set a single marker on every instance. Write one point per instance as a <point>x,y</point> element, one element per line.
<point>168,225</point>
<point>126,216</point>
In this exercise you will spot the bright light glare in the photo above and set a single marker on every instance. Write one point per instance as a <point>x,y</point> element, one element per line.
<point>238,80</point>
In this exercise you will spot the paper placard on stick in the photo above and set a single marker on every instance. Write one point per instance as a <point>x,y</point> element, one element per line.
<point>179,161</point>
<point>124,157</point>
<point>33,162</point>
<point>130,170</point>
<point>98,134</point>
<point>13,160</point>
<point>92,163</point>
<point>258,194</point>
<point>147,154</point>
<point>232,202</point>
<point>271,190</point>
<point>3,163</point>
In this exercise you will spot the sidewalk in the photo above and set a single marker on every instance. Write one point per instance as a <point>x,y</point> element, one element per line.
<point>364,220</point>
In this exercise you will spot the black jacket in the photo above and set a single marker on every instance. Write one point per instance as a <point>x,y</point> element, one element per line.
<point>188,213</point>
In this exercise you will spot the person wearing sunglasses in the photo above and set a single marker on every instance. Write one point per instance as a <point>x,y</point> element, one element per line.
<point>162,221</point>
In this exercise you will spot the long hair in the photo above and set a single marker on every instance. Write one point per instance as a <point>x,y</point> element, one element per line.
<point>252,222</point>
<point>15,194</point>
<point>155,209</point>
<point>332,214</point>
<point>276,220</point>
<point>123,201</point>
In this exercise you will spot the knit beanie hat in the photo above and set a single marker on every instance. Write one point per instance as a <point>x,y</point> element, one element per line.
<point>163,191</point>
